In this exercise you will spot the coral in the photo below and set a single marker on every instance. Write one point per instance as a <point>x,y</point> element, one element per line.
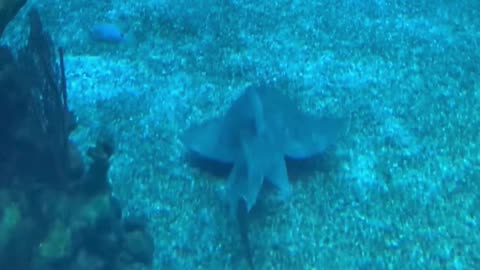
<point>36,117</point>
<point>56,214</point>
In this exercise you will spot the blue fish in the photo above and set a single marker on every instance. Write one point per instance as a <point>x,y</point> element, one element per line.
<point>108,33</point>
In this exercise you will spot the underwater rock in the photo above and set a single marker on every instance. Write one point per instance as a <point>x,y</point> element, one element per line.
<point>25,236</point>
<point>96,214</point>
<point>76,166</point>
<point>57,247</point>
<point>55,214</point>
<point>36,122</point>
<point>9,222</point>
<point>18,232</point>
<point>107,245</point>
<point>134,223</point>
<point>139,245</point>
<point>8,10</point>
<point>88,261</point>
<point>96,180</point>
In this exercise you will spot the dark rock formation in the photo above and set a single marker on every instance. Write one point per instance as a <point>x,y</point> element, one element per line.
<point>8,10</point>
<point>57,213</point>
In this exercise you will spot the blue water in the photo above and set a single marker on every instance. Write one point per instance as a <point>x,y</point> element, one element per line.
<point>400,190</point>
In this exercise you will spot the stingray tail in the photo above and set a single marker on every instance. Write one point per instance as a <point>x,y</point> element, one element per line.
<point>242,217</point>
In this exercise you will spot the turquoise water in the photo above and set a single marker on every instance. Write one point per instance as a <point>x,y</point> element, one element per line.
<point>400,190</point>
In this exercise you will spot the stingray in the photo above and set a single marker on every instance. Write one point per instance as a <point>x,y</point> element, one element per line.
<point>258,131</point>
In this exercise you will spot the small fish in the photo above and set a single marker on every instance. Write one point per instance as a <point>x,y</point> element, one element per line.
<point>108,33</point>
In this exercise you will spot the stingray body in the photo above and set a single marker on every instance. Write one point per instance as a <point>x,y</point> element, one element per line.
<point>259,130</point>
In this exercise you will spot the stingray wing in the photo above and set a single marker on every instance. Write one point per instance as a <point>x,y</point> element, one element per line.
<point>299,135</point>
<point>309,135</point>
<point>211,140</point>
